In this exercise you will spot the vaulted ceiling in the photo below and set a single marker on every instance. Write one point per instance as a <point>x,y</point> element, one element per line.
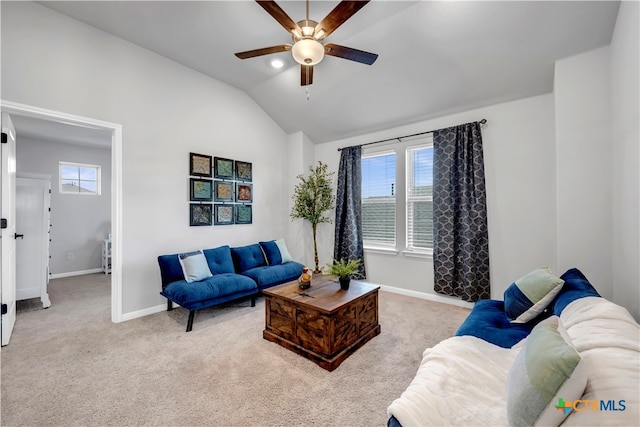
<point>435,57</point>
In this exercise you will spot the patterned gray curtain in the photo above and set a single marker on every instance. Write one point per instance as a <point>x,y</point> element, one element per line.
<point>461,237</point>
<point>348,230</point>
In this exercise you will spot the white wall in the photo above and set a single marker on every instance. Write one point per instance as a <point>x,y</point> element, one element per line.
<point>54,62</point>
<point>583,149</point>
<point>625,119</point>
<point>519,159</point>
<point>166,111</point>
<point>79,223</point>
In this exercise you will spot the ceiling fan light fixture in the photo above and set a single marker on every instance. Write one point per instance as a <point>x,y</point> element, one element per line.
<point>307,51</point>
<point>307,28</point>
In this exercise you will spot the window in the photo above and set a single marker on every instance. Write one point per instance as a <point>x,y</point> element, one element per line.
<point>76,178</point>
<point>379,199</point>
<point>420,198</point>
<point>397,197</point>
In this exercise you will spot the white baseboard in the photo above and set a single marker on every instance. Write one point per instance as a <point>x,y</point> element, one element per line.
<point>75,273</point>
<point>144,312</point>
<point>422,295</point>
<point>147,311</point>
<point>429,297</point>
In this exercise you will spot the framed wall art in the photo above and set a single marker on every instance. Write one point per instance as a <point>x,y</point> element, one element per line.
<point>244,214</point>
<point>200,165</point>
<point>200,190</point>
<point>199,214</point>
<point>244,192</point>
<point>223,214</point>
<point>223,168</point>
<point>223,191</point>
<point>244,171</point>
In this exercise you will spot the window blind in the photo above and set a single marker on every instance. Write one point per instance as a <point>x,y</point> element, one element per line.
<point>379,199</point>
<point>420,198</point>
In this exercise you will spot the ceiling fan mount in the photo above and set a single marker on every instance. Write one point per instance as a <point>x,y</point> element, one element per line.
<point>307,35</point>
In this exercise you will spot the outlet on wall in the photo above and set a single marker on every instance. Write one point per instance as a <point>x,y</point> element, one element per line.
<point>70,255</point>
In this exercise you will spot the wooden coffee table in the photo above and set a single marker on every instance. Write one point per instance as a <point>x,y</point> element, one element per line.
<point>322,323</point>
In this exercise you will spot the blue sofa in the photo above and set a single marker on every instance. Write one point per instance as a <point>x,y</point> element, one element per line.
<point>488,319</point>
<point>233,273</point>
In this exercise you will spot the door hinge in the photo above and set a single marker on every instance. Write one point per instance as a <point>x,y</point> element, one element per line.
<point>4,308</point>
<point>4,138</point>
<point>3,223</point>
<point>49,191</point>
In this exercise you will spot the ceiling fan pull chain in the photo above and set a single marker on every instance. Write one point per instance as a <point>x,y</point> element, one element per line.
<point>307,93</point>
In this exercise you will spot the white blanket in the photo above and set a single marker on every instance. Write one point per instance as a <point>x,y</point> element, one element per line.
<point>462,380</point>
<point>608,339</point>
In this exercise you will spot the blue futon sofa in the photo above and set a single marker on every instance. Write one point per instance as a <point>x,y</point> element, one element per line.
<point>200,279</point>
<point>488,319</point>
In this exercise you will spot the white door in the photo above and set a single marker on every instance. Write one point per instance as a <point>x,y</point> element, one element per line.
<point>32,243</point>
<point>8,244</point>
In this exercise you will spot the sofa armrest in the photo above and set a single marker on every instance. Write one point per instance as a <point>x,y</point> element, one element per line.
<point>170,269</point>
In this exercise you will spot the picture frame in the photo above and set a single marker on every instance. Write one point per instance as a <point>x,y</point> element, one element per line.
<point>223,214</point>
<point>200,165</point>
<point>223,191</point>
<point>244,192</point>
<point>200,214</point>
<point>200,190</point>
<point>244,171</point>
<point>223,168</point>
<point>244,214</point>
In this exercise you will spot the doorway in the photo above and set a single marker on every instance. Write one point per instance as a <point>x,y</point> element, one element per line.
<point>115,130</point>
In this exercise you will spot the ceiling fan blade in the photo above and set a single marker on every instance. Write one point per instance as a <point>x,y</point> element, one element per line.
<point>279,15</point>
<point>350,53</point>
<point>306,75</point>
<point>263,51</point>
<point>343,11</point>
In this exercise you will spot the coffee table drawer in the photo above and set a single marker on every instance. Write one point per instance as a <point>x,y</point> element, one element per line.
<point>280,319</point>
<point>310,330</point>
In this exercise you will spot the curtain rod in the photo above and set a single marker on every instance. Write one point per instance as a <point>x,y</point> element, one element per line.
<point>399,138</point>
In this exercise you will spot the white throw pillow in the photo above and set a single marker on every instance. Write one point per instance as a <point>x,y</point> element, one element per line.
<point>546,377</point>
<point>284,253</point>
<point>194,266</point>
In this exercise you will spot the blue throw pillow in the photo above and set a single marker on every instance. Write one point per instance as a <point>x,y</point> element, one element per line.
<point>219,260</point>
<point>528,296</point>
<point>194,266</point>
<point>271,252</point>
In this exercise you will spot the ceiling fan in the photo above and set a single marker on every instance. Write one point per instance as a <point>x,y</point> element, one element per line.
<point>307,47</point>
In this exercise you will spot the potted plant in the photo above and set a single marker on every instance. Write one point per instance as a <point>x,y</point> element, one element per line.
<point>312,197</point>
<point>344,270</point>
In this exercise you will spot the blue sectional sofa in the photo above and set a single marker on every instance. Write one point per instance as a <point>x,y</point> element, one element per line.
<point>200,279</point>
<point>484,374</point>
<point>489,321</point>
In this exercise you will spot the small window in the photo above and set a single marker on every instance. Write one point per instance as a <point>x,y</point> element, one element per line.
<point>76,178</point>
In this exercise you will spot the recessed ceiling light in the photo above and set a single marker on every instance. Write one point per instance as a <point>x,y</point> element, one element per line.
<point>277,63</point>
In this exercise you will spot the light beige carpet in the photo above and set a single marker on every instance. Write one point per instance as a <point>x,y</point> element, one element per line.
<point>70,366</point>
